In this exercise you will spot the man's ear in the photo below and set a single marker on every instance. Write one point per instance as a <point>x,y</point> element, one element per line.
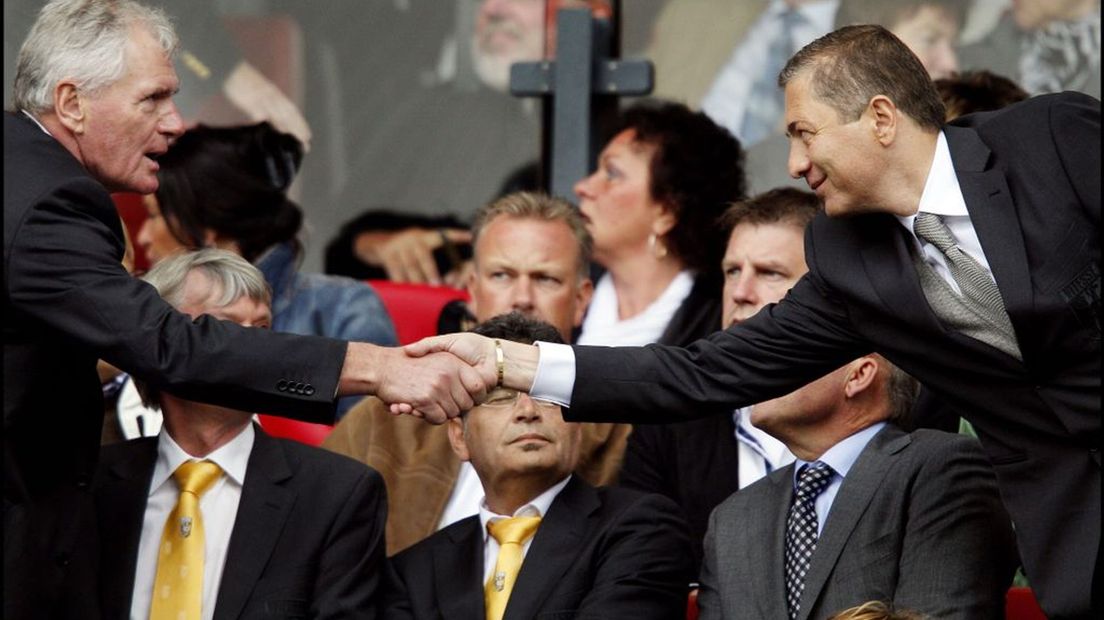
<point>885,115</point>
<point>456,438</point>
<point>69,107</point>
<point>860,376</point>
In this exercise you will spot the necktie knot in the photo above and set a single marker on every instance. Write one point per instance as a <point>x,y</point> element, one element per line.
<point>514,530</point>
<point>930,228</point>
<point>196,477</point>
<point>813,479</point>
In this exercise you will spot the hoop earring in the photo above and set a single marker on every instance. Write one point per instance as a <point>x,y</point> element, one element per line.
<point>656,247</point>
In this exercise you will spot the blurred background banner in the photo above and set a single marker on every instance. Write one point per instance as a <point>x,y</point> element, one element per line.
<point>404,104</point>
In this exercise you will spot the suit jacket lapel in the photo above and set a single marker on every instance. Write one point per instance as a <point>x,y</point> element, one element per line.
<point>769,572</point>
<point>854,496</point>
<point>122,499</point>
<point>556,544</point>
<point>993,215</point>
<point>458,572</point>
<point>264,507</point>
<point>888,264</point>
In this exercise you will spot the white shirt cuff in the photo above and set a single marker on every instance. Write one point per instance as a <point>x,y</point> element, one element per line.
<point>555,379</point>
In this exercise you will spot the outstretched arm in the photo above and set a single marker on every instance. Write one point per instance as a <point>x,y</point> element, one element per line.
<point>436,386</point>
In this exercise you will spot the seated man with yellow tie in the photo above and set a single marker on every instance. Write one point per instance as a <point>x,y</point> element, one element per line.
<point>544,541</point>
<point>215,518</point>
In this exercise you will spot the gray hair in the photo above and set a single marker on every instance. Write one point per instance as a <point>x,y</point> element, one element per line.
<point>901,391</point>
<point>82,40</point>
<point>233,276</point>
<point>538,206</point>
<point>230,275</point>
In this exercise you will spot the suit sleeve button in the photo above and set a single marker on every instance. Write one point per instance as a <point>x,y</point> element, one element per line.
<point>309,390</point>
<point>282,385</point>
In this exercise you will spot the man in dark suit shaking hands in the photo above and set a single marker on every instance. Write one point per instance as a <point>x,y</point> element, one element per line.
<point>93,92</point>
<point>966,254</point>
<point>279,526</point>
<point>545,543</point>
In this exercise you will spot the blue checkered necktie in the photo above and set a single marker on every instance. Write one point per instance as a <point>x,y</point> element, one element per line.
<point>765,102</point>
<point>801,530</point>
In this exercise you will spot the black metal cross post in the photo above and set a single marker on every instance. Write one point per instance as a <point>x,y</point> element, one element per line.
<point>582,84</point>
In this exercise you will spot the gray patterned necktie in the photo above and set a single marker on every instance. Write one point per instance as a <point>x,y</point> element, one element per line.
<point>972,279</point>
<point>801,530</point>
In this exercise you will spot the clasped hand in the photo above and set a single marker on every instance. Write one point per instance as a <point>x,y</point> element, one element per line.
<point>441,377</point>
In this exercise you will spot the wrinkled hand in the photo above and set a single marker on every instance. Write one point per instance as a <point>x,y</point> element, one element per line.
<point>261,100</point>
<point>436,387</point>
<point>478,352</point>
<point>407,255</point>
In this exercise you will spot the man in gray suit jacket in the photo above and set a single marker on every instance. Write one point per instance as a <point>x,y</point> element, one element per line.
<point>912,519</point>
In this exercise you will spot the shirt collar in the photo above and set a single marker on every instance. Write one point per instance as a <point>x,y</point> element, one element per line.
<point>36,122</point>
<point>942,194</point>
<point>843,455</point>
<point>232,457</point>
<point>538,507</point>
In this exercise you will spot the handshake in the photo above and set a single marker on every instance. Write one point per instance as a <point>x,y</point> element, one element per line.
<point>438,378</point>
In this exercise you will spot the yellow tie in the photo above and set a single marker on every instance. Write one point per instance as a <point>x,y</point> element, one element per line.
<point>510,534</point>
<point>178,588</point>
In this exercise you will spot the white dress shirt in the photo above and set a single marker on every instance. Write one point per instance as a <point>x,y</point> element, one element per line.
<point>219,506</point>
<point>602,326</point>
<point>726,100</point>
<point>555,377</point>
<point>466,497</point>
<point>840,458</point>
<point>942,196</point>
<point>538,507</point>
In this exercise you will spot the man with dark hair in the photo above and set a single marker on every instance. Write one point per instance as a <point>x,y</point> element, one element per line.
<point>532,255</point>
<point>867,511</point>
<point>700,463</point>
<point>582,551</point>
<point>977,91</point>
<point>967,254</point>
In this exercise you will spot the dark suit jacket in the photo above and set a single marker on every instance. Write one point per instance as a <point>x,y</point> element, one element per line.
<point>694,463</point>
<point>599,553</point>
<point>917,522</point>
<point>1030,175</point>
<point>307,540</point>
<point>67,302</point>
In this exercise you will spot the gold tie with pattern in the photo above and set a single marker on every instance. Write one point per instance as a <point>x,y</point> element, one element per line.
<point>510,534</point>
<point>178,588</point>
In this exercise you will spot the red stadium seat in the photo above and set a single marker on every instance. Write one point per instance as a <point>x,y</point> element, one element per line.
<point>304,432</point>
<point>1020,604</point>
<point>415,308</point>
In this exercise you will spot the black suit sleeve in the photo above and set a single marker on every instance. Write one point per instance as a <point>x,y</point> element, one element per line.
<point>395,599</point>
<point>784,346</point>
<point>647,461</point>
<point>349,580</point>
<point>644,571</point>
<point>64,272</point>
